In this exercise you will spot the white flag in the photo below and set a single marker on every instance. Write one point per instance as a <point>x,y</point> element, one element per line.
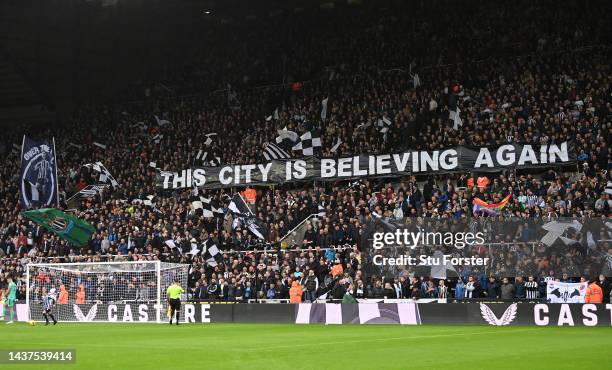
<point>209,138</point>
<point>557,292</point>
<point>416,80</point>
<point>454,116</point>
<point>161,122</point>
<point>99,145</point>
<point>336,145</point>
<point>324,109</point>
<point>286,134</point>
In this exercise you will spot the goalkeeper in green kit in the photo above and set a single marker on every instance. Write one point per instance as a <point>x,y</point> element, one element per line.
<point>11,297</point>
<point>174,300</point>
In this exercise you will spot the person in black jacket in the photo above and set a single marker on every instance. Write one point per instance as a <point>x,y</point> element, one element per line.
<point>389,292</point>
<point>223,290</point>
<point>606,287</point>
<point>213,290</point>
<point>321,270</point>
<point>405,285</point>
<point>239,291</point>
<point>337,291</point>
<point>360,290</point>
<point>493,288</point>
<point>377,291</point>
<point>199,292</point>
<point>312,285</point>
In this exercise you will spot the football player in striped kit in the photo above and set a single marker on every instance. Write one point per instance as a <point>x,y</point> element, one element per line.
<point>48,301</point>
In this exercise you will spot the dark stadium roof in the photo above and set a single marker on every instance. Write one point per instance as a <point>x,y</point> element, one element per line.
<point>76,50</point>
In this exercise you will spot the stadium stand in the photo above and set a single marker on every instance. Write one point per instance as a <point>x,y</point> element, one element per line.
<point>521,82</point>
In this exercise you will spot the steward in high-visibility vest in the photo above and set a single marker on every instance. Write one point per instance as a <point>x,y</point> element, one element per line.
<point>250,195</point>
<point>594,294</point>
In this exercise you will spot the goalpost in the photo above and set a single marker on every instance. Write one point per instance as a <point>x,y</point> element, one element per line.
<point>130,291</point>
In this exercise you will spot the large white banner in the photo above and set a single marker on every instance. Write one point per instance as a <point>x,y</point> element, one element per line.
<point>557,292</point>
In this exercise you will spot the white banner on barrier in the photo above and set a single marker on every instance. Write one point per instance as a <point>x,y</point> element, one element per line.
<point>557,292</point>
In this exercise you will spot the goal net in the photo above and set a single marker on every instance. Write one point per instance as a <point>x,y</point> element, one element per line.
<point>104,291</point>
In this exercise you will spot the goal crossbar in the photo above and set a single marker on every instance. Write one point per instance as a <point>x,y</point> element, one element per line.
<point>104,291</point>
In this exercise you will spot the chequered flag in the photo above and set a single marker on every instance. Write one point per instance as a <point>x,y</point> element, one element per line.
<point>212,254</point>
<point>105,176</point>
<point>309,144</point>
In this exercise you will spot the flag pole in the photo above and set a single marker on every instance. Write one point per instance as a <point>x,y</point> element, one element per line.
<point>56,178</point>
<point>22,174</point>
<point>256,288</point>
<point>22,146</point>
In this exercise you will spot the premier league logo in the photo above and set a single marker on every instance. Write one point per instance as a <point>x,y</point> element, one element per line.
<point>38,174</point>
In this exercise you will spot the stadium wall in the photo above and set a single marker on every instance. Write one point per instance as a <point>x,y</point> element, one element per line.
<point>406,313</point>
<point>530,314</point>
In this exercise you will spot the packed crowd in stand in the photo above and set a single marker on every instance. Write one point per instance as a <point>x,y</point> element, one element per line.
<point>544,83</point>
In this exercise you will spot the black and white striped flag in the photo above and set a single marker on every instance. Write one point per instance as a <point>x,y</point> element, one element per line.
<point>207,158</point>
<point>239,207</point>
<point>273,151</point>
<point>608,188</point>
<point>454,92</point>
<point>383,125</point>
<point>243,216</point>
<point>309,144</point>
<point>90,191</point>
<point>105,176</point>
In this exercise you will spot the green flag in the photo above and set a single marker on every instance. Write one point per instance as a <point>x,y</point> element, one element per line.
<point>65,225</point>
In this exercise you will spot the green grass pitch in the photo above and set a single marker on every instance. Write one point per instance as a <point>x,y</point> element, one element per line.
<point>281,346</point>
